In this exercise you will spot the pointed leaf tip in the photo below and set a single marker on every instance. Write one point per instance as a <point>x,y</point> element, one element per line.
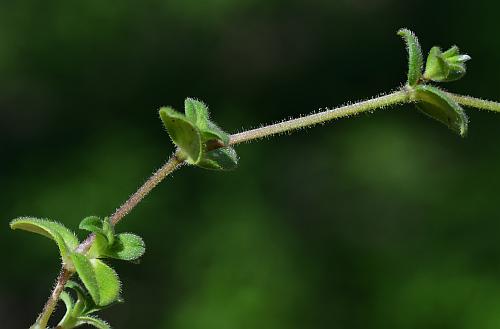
<point>84,304</point>
<point>436,104</point>
<point>64,238</point>
<point>183,133</point>
<point>92,224</point>
<point>197,112</point>
<point>67,300</point>
<point>415,56</point>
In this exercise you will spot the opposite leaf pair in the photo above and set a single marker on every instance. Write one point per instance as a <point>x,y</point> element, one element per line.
<point>200,140</point>
<point>101,281</point>
<point>440,67</point>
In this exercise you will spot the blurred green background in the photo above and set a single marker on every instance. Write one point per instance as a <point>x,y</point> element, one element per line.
<point>388,220</point>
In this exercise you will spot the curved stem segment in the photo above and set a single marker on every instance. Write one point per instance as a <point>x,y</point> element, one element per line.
<point>159,175</point>
<point>397,97</point>
<point>173,163</point>
<point>475,102</point>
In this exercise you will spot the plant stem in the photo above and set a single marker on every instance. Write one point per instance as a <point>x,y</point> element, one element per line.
<point>475,102</point>
<point>397,97</point>
<point>50,305</point>
<point>173,163</point>
<point>149,185</point>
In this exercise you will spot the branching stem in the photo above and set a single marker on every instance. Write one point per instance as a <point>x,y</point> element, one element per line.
<point>406,94</point>
<point>397,97</point>
<point>173,163</point>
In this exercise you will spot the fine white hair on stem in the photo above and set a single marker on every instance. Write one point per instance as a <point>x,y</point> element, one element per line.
<point>321,117</point>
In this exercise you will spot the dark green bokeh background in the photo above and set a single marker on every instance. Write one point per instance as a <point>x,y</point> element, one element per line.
<point>387,220</point>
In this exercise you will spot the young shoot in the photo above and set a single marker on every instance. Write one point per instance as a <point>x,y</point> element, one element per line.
<point>87,284</point>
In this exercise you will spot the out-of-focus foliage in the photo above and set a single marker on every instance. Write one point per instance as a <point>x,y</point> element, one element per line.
<point>383,221</point>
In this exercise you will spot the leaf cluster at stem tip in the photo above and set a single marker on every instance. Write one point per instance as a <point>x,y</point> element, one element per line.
<point>440,67</point>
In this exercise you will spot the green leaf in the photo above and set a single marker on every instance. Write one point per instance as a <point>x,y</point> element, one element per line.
<point>67,300</point>
<point>437,105</point>
<point>127,246</point>
<point>80,291</point>
<point>100,280</point>
<point>99,247</point>
<point>196,112</point>
<point>453,55</point>
<point>107,281</point>
<point>436,68</point>
<point>183,133</point>
<point>452,52</point>
<point>415,57</point>
<point>92,224</point>
<point>84,303</point>
<point>68,317</point>
<point>220,159</point>
<point>87,274</point>
<point>64,238</point>
<point>212,131</point>
<point>93,321</point>
<point>105,234</point>
<point>457,72</point>
<point>109,230</point>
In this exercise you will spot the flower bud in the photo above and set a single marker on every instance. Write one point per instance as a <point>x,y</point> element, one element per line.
<point>445,66</point>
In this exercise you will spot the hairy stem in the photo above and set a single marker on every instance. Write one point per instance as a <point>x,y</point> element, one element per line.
<point>147,187</point>
<point>173,163</point>
<point>397,97</point>
<point>475,102</point>
<point>50,305</point>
